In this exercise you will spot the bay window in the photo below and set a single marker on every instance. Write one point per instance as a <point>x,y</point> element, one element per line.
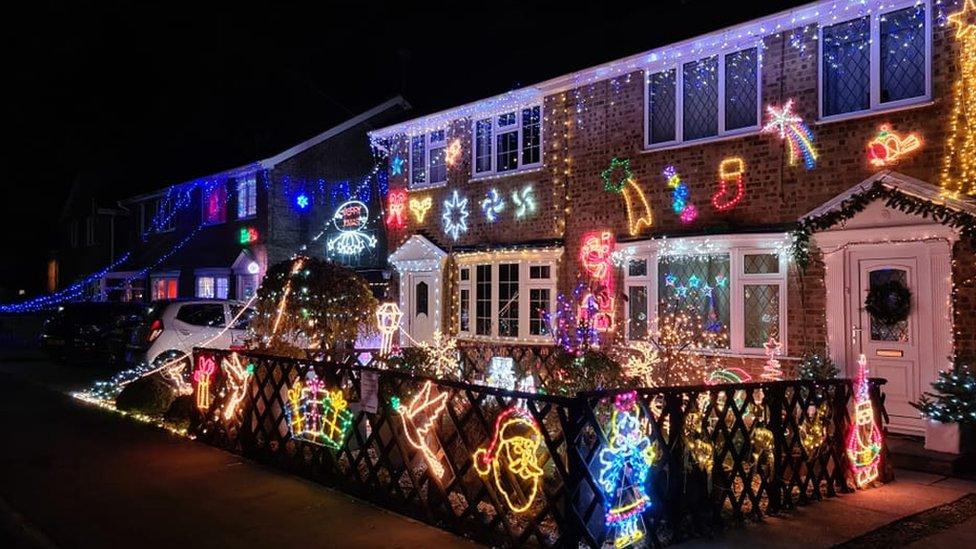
<point>876,61</point>
<point>507,142</point>
<point>735,286</point>
<point>509,295</point>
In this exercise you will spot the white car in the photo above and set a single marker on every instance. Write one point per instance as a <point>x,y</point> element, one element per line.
<point>173,328</point>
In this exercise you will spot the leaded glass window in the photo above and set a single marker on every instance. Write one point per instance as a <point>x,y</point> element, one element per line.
<point>761,314</point>
<point>661,97</point>
<point>902,35</point>
<point>847,67</point>
<point>741,87</point>
<point>700,98</point>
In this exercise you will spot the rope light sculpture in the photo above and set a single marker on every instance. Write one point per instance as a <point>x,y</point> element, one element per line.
<point>863,438</point>
<point>206,366</point>
<point>730,171</point>
<point>512,456</point>
<point>420,419</point>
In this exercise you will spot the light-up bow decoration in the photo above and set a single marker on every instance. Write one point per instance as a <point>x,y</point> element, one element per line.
<point>396,206</point>
<point>236,376</point>
<point>492,205</point>
<point>206,366</point>
<point>388,317</point>
<point>511,457</point>
<point>455,216</point>
<point>619,179</point>
<point>420,206</point>
<point>789,126</point>
<point>730,171</point>
<point>420,419</point>
<point>316,414</point>
<point>680,197</point>
<point>351,218</point>
<point>888,147</point>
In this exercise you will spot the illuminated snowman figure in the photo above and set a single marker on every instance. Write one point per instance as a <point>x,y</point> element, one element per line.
<point>350,219</point>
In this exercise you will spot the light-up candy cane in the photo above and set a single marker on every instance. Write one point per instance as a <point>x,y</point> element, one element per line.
<point>388,317</point>
<point>206,366</point>
<point>731,171</point>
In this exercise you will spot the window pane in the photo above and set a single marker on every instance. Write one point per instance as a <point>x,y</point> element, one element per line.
<point>465,310</point>
<point>465,274</point>
<point>761,307</point>
<point>879,330</point>
<point>205,286</point>
<point>221,284</point>
<point>417,158</point>
<point>438,165</point>
<point>846,67</point>
<point>903,54</point>
<point>539,272</point>
<point>531,132</point>
<point>700,96</point>
<point>246,197</point>
<point>538,306</point>
<point>661,97</point>
<point>483,300</point>
<point>637,267</point>
<point>482,150</point>
<point>760,263</point>
<point>696,285</point>
<point>421,299</point>
<point>507,147</point>
<point>637,300</point>
<point>508,299</point>
<point>202,314</point>
<point>740,89</point>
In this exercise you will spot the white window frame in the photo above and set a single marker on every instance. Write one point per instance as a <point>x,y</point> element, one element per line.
<point>213,274</point>
<point>247,196</point>
<point>525,259</point>
<point>493,155</point>
<point>736,247</point>
<point>429,142</point>
<point>874,73</point>
<point>679,128</point>
<point>167,276</point>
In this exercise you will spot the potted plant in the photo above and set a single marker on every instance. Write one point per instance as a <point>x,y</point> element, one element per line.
<point>951,413</point>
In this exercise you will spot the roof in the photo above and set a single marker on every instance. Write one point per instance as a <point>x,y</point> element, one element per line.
<point>272,161</point>
<point>733,38</point>
<point>902,183</point>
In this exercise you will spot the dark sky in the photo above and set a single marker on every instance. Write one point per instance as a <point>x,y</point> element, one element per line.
<point>134,97</point>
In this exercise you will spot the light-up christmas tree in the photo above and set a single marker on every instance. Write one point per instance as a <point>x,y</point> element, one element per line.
<point>864,437</point>
<point>959,163</point>
<point>772,370</point>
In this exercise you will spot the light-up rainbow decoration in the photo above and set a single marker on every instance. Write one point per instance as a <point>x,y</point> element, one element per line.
<point>728,375</point>
<point>420,419</point>
<point>888,147</point>
<point>864,438</point>
<point>316,414</point>
<point>789,126</point>
<point>730,172</point>
<point>512,457</point>
<point>625,465</point>
<point>680,197</point>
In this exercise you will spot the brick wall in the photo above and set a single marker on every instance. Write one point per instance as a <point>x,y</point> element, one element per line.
<point>584,128</point>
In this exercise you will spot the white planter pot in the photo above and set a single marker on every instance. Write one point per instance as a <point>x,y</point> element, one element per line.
<point>947,437</point>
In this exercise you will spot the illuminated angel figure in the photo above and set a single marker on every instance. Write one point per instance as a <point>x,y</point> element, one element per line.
<point>625,465</point>
<point>237,376</point>
<point>455,216</point>
<point>790,126</point>
<point>420,420</point>
<point>512,458</point>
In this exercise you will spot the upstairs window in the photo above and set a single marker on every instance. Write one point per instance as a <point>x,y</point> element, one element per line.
<point>428,160</point>
<point>875,62</point>
<point>90,226</point>
<point>705,98</point>
<point>214,204</point>
<point>508,142</point>
<point>247,197</point>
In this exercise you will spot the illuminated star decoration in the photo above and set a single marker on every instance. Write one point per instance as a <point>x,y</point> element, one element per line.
<point>959,160</point>
<point>396,166</point>
<point>492,205</point>
<point>455,216</point>
<point>619,179</point>
<point>524,201</point>
<point>790,126</point>
<point>302,201</point>
<point>617,175</point>
<point>453,152</point>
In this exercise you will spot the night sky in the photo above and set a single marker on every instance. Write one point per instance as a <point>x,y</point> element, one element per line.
<point>133,98</point>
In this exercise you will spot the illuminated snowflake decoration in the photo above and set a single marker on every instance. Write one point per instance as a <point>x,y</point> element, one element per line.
<point>455,216</point>
<point>524,200</point>
<point>492,205</point>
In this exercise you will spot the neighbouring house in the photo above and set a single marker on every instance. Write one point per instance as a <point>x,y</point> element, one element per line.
<point>215,236</point>
<point>651,177</point>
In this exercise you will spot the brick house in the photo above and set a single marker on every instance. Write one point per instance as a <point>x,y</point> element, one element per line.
<point>215,236</point>
<point>493,201</point>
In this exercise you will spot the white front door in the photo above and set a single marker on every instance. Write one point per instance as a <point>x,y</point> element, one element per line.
<point>420,307</point>
<point>900,352</point>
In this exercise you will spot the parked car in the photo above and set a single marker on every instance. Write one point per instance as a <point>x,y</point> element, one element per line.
<point>172,328</point>
<point>91,331</point>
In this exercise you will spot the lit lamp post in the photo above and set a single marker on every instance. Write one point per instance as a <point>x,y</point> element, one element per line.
<point>388,317</point>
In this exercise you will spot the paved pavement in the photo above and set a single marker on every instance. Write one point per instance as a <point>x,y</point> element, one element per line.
<point>75,476</point>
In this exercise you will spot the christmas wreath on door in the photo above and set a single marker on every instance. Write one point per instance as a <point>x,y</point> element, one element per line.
<point>889,302</point>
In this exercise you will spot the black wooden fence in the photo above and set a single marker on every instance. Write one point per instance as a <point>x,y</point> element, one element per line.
<point>766,452</point>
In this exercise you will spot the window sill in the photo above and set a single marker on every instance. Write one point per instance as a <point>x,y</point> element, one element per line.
<point>704,141</point>
<point>917,104</point>
<point>489,177</point>
<point>420,188</point>
<point>531,340</point>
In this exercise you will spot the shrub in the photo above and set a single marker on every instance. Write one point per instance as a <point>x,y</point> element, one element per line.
<point>150,395</point>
